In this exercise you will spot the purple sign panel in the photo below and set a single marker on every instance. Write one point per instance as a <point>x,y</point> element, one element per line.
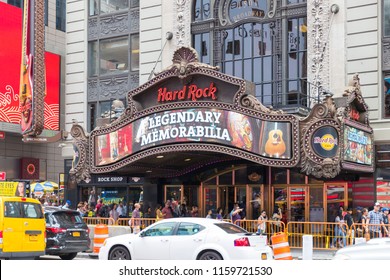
<point>266,138</point>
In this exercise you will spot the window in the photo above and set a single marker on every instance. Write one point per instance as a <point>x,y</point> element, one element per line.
<point>16,3</point>
<point>111,6</point>
<point>230,228</point>
<point>15,209</point>
<point>93,7</point>
<point>46,12</point>
<point>61,15</point>
<point>386,89</point>
<point>32,210</point>
<point>161,229</point>
<point>202,10</point>
<point>134,52</point>
<point>202,45</point>
<point>93,58</point>
<point>114,56</point>
<point>386,17</point>
<point>189,229</point>
<point>12,209</point>
<point>250,47</point>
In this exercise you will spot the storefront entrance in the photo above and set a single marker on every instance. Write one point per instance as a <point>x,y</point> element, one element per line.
<point>310,203</point>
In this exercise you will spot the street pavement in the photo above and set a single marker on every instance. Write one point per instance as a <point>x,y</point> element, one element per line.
<point>296,254</point>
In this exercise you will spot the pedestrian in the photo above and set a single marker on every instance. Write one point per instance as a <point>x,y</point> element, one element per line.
<point>92,198</point>
<point>135,221</point>
<point>386,217</point>
<point>183,210</point>
<point>276,218</point>
<point>167,210</point>
<point>375,221</point>
<point>209,214</point>
<point>121,210</point>
<point>358,219</point>
<point>236,214</point>
<point>349,221</point>
<point>114,215</point>
<point>159,214</point>
<point>148,213</point>
<point>219,214</point>
<point>261,223</point>
<point>67,204</point>
<point>195,211</point>
<point>366,233</point>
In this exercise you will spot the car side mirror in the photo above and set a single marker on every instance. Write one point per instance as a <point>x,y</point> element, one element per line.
<point>142,234</point>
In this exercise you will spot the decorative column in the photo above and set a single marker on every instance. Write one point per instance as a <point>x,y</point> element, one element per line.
<point>182,23</point>
<point>318,18</point>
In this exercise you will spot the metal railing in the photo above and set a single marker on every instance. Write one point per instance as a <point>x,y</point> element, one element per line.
<point>326,235</point>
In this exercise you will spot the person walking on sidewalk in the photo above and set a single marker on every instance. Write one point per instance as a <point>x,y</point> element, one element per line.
<point>375,221</point>
<point>135,221</point>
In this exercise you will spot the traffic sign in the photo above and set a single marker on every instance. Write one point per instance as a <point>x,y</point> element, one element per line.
<point>3,175</point>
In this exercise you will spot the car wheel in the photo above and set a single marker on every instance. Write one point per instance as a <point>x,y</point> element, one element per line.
<point>70,256</point>
<point>210,255</point>
<point>119,253</point>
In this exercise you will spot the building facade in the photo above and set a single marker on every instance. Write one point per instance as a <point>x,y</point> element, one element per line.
<point>292,51</point>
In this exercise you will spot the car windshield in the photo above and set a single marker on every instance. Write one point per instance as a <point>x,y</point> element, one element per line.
<point>230,228</point>
<point>66,218</point>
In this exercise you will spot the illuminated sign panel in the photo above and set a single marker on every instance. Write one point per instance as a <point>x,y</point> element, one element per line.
<point>265,138</point>
<point>10,58</point>
<point>357,146</point>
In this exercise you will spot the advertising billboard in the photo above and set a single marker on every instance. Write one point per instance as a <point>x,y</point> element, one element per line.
<point>266,138</point>
<point>358,146</point>
<point>10,59</point>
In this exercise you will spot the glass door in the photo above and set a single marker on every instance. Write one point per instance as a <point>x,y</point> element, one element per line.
<point>226,199</point>
<point>298,200</point>
<point>316,209</point>
<point>209,200</point>
<point>256,202</point>
<point>279,198</point>
<point>336,197</point>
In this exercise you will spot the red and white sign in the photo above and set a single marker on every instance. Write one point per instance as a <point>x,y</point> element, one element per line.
<point>10,60</point>
<point>2,135</point>
<point>3,175</point>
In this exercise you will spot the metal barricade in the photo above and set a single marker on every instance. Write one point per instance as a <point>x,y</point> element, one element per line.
<point>271,228</point>
<point>325,235</point>
<point>98,220</point>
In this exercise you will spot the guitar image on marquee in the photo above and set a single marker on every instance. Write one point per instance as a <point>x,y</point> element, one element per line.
<point>275,146</point>
<point>26,77</point>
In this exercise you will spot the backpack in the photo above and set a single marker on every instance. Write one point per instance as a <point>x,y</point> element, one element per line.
<point>104,211</point>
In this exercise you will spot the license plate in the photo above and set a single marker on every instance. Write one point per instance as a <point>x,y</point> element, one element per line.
<point>76,234</point>
<point>33,237</point>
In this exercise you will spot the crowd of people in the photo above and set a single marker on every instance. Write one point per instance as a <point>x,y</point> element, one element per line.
<point>364,224</point>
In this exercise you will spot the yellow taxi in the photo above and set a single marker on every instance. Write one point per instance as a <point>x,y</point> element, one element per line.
<point>22,228</point>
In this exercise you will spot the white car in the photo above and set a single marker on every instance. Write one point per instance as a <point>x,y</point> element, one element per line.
<point>187,239</point>
<point>374,249</point>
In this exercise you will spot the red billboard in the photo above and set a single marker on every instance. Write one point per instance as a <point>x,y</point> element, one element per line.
<point>10,58</point>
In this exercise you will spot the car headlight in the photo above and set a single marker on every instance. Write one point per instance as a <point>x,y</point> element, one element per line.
<point>341,257</point>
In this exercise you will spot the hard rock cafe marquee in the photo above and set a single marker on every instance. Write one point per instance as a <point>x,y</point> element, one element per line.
<point>191,110</point>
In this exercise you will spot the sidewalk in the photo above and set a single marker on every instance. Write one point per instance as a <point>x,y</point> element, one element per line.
<point>296,253</point>
<point>317,254</point>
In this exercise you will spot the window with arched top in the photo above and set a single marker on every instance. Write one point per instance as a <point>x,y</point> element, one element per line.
<point>261,41</point>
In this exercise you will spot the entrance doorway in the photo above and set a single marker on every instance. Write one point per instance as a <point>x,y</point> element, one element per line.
<point>248,197</point>
<point>309,203</point>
